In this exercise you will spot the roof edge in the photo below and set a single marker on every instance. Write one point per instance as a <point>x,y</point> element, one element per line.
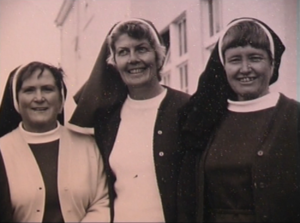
<point>64,12</point>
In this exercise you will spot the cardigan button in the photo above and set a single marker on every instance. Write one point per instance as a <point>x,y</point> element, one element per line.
<point>161,154</point>
<point>159,132</point>
<point>260,153</point>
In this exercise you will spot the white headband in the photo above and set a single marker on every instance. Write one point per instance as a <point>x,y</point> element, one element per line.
<point>14,88</point>
<point>241,20</point>
<point>138,20</point>
<point>154,33</point>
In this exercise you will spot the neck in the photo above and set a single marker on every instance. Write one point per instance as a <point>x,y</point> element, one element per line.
<point>145,92</point>
<point>39,128</point>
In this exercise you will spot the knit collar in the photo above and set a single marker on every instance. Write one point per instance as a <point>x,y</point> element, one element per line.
<point>148,103</point>
<point>36,138</point>
<point>267,101</point>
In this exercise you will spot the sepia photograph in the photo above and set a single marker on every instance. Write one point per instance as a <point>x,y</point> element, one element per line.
<point>149,111</point>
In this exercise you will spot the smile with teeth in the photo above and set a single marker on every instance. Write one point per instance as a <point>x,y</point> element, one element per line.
<point>136,71</point>
<point>39,109</point>
<point>246,79</point>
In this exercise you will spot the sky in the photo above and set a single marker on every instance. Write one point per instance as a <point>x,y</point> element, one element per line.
<point>27,32</point>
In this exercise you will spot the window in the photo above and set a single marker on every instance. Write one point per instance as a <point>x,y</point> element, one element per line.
<point>214,16</point>
<point>183,72</point>
<point>212,22</point>
<point>175,69</point>
<point>182,36</point>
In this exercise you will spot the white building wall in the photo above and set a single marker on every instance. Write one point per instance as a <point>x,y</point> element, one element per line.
<point>161,12</point>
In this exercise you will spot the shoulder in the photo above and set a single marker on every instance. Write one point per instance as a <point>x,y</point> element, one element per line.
<point>77,136</point>
<point>80,141</point>
<point>286,101</point>
<point>8,137</point>
<point>177,95</point>
<point>288,110</point>
<point>174,100</point>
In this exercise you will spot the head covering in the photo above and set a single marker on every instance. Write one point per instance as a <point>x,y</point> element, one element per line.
<point>104,90</point>
<point>207,106</point>
<point>9,109</point>
<point>233,23</point>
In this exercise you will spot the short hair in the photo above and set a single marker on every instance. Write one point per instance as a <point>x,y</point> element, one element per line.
<point>246,33</point>
<point>28,70</point>
<point>137,30</point>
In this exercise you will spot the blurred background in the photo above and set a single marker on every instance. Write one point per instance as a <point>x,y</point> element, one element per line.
<point>69,33</point>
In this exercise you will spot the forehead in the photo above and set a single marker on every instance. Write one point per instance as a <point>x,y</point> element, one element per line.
<point>46,77</point>
<point>244,50</point>
<point>125,40</point>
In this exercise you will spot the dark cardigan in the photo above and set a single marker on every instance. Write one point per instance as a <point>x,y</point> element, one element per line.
<point>275,174</point>
<point>166,141</point>
<point>6,211</point>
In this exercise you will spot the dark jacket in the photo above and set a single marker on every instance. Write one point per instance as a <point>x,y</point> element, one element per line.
<point>275,172</point>
<point>6,211</point>
<point>166,148</point>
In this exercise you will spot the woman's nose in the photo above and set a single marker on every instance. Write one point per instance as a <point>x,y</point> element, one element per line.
<point>39,97</point>
<point>133,58</point>
<point>245,67</point>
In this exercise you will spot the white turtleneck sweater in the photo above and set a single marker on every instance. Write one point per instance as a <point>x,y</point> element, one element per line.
<point>132,161</point>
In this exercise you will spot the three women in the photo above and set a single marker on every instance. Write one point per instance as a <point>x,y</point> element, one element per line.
<point>48,173</point>
<point>242,160</point>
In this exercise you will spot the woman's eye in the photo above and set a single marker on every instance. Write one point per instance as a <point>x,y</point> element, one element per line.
<point>142,49</point>
<point>234,60</point>
<point>122,52</point>
<point>28,90</point>
<point>256,58</point>
<point>48,89</point>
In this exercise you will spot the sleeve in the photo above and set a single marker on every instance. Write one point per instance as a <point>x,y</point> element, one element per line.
<point>6,213</point>
<point>99,210</point>
<point>186,192</point>
<point>298,124</point>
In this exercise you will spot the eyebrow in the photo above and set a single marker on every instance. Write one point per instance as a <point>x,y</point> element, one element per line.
<point>250,54</point>
<point>144,43</point>
<point>138,45</point>
<point>34,86</point>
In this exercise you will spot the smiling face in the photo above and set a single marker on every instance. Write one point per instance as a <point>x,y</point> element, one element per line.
<point>136,62</point>
<point>248,71</point>
<point>39,101</point>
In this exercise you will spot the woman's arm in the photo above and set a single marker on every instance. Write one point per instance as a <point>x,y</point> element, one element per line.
<point>99,210</point>
<point>6,213</point>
